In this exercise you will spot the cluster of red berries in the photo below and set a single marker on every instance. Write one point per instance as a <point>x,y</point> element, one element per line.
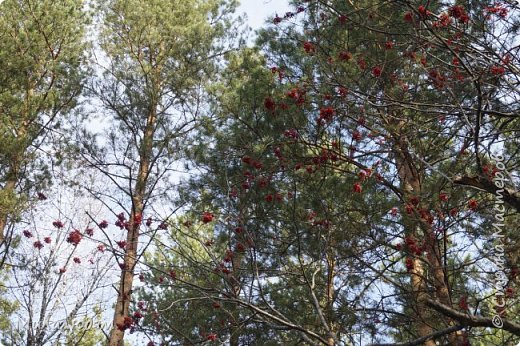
<point>377,71</point>
<point>277,19</point>
<point>127,323</point>
<point>276,197</point>
<point>499,10</point>
<point>248,161</point>
<point>309,47</point>
<point>411,246</point>
<point>207,217</point>
<point>58,224</point>
<point>221,268</point>
<point>297,95</point>
<point>269,104</point>
<point>458,12</point>
<point>74,237</point>
<point>326,114</point>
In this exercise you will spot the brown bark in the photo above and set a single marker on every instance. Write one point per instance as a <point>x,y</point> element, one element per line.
<point>124,293</point>
<point>442,291</point>
<point>125,286</point>
<point>510,196</point>
<point>420,295</point>
<point>473,320</point>
<point>411,183</point>
<point>331,263</point>
<point>234,283</point>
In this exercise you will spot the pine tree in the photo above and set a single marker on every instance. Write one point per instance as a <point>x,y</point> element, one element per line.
<point>160,55</point>
<point>41,64</point>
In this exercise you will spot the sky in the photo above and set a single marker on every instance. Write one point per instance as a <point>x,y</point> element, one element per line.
<point>258,10</point>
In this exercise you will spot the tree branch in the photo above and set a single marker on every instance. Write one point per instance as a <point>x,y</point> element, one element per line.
<point>472,320</point>
<point>511,197</point>
<point>421,340</point>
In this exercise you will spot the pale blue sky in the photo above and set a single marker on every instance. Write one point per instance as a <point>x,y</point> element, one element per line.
<point>258,10</point>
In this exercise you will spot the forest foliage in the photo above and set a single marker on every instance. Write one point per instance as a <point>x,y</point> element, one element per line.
<point>351,178</point>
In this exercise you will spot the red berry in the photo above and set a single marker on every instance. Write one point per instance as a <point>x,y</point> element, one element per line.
<point>309,47</point>
<point>414,200</point>
<point>408,17</point>
<point>345,56</point>
<point>74,237</point>
<point>207,217</point>
<point>269,104</point>
<point>463,304</point>
<point>409,264</point>
<point>58,224</point>
<point>377,71</point>
<point>473,204</point>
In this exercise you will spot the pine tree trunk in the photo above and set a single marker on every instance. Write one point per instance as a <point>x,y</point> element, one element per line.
<point>410,181</point>
<point>124,293</point>
<point>234,282</point>
<point>411,184</point>
<point>331,272</point>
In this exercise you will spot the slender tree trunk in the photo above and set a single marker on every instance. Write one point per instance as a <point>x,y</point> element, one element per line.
<point>442,290</point>
<point>331,272</point>
<point>420,296</point>
<point>124,293</point>
<point>125,286</point>
<point>234,339</point>
<point>411,184</point>
<point>410,181</point>
<point>234,282</point>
